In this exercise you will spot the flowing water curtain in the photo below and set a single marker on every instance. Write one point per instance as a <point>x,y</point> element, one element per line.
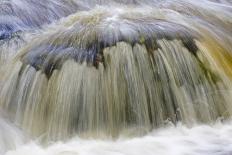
<point>108,70</point>
<point>215,20</point>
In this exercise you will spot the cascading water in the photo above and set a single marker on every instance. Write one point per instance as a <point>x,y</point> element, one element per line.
<point>113,71</point>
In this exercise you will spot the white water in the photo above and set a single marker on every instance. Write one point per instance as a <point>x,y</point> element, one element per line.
<point>179,140</point>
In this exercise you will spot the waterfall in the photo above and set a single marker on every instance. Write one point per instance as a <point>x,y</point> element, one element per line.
<point>100,69</point>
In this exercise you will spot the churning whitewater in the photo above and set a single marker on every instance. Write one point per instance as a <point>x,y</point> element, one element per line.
<point>115,77</point>
<point>172,140</point>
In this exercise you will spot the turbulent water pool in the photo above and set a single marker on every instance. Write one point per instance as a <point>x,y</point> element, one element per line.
<point>115,77</point>
<point>173,140</point>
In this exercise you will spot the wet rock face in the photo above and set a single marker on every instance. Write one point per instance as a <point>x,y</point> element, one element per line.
<point>4,35</point>
<point>89,34</point>
<point>49,58</point>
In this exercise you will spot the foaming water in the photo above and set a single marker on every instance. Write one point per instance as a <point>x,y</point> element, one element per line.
<point>10,136</point>
<point>178,140</point>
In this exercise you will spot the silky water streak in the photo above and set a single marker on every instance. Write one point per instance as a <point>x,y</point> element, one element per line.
<point>113,70</point>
